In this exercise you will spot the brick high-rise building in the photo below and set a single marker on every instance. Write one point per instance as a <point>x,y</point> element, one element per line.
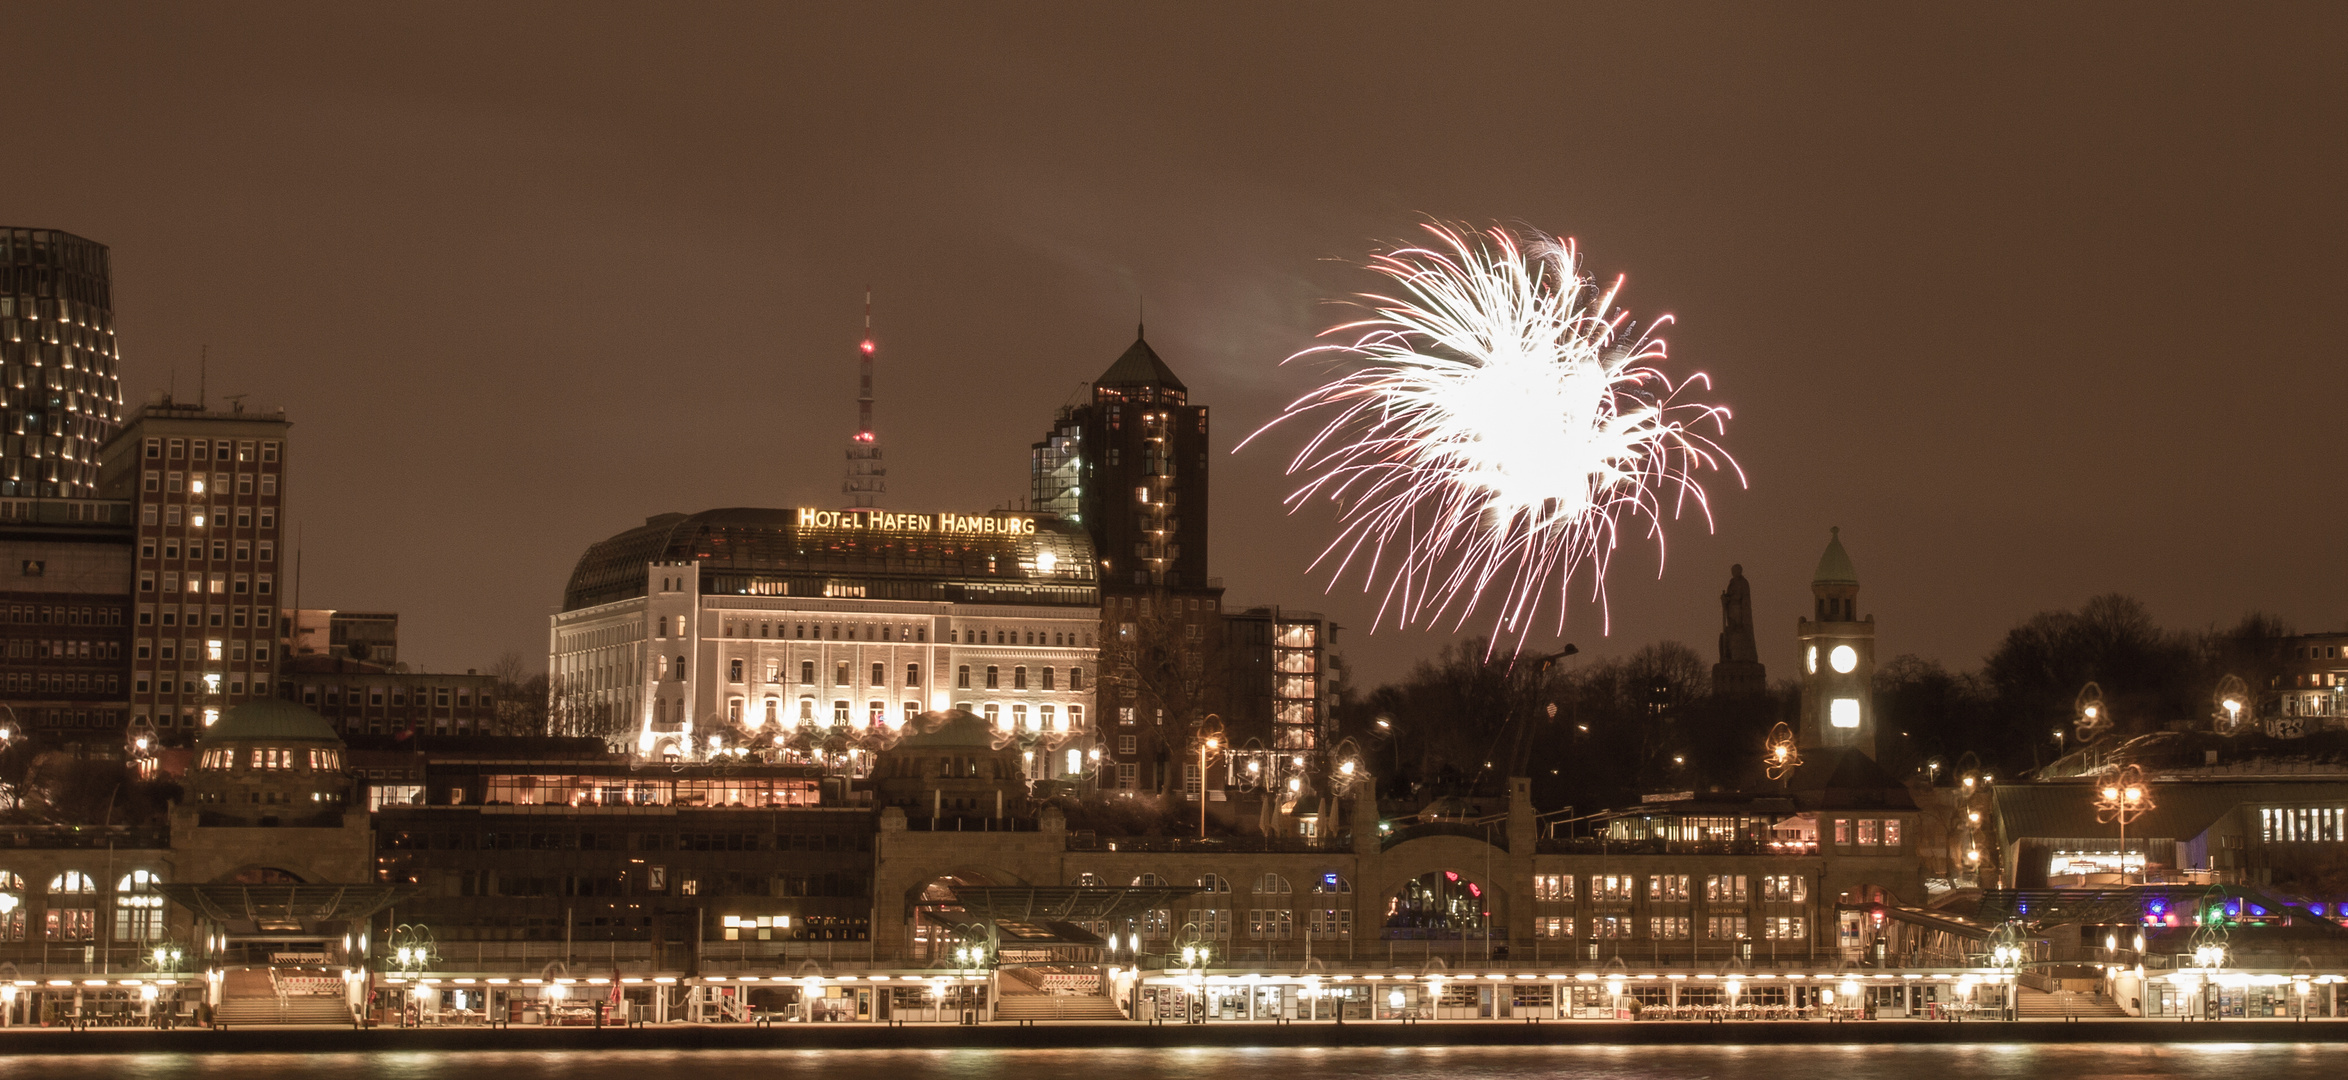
<point>1131,466</point>
<point>208,492</point>
<point>65,569</point>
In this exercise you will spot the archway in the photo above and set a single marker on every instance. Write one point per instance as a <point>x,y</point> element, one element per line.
<point>1439,905</point>
<point>932,909</point>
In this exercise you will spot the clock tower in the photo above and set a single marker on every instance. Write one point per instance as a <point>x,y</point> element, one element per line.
<point>1838,658</point>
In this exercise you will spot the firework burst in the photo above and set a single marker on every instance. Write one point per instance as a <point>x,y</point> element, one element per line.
<point>1493,427</point>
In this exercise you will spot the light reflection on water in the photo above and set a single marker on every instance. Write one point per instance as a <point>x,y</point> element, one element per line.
<point>1991,1062</point>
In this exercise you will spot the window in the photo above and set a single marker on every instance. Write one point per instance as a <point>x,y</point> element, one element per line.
<point>1784,928</point>
<point>1271,883</point>
<point>1891,832</point>
<point>807,673</point>
<point>1668,927</point>
<point>1128,775</point>
<point>1612,886</point>
<point>1667,886</point>
<point>1047,684</point>
<point>992,682</point>
<point>1868,832</point>
<point>1725,927</point>
<point>1329,923</point>
<point>1725,888</point>
<point>1842,831</point>
<point>840,673</point>
<point>1785,888</point>
<point>839,713</point>
<point>1552,887</point>
<point>1553,926</point>
<point>138,908</point>
<point>962,677</point>
<point>880,675</point>
<point>12,918</point>
<point>913,674</point>
<point>1332,883</point>
<point>1215,883</point>
<point>734,671</point>
<point>1075,678</point>
<point>1271,924</point>
<point>1019,677</point>
<point>1075,717</point>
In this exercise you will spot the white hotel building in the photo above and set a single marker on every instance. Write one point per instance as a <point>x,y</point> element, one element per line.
<point>748,624</point>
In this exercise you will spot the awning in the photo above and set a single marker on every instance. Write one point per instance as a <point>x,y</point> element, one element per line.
<point>287,906</point>
<point>1063,903</point>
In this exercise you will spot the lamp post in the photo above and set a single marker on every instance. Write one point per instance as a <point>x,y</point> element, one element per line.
<point>1208,742</point>
<point>2123,799</point>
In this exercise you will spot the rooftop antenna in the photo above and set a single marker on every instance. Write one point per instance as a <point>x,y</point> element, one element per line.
<point>203,372</point>
<point>236,402</point>
<point>867,478</point>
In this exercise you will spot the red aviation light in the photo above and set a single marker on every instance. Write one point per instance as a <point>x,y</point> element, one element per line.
<point>867,347</point>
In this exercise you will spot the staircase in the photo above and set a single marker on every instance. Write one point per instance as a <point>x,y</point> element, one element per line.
<point>1056,1007</point>
<point>2040,1005</point>
<point>298,1009</point>
<point>249,997</point>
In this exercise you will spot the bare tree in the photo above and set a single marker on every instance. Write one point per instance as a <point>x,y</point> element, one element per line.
<point>1164,658</point>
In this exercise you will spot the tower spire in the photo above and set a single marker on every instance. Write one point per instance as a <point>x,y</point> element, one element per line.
<point>867,478</point>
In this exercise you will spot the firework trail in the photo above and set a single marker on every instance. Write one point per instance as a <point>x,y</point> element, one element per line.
<point>1492,428</point>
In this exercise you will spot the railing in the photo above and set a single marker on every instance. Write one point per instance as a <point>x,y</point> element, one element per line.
<point>122,837</point>
<point>1213,845</point>
<point>1496,835</point>
<point>969,824</point>
<point>1592,845</point>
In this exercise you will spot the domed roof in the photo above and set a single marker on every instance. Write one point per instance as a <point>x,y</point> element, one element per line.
<point>957,729</point>
<point>270,720</point>
<point>1834,567</point>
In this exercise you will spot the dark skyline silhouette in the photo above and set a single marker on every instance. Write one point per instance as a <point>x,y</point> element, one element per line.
<point>2033,303</point>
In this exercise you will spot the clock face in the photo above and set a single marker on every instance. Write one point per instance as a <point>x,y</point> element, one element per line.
<point>1844,658</point>
<point>1810,661</point>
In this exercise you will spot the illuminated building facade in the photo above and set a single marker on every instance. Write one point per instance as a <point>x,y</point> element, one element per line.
<point>2310,693</point>
<point>57,363</point>
<point>65,609</point>
<point>1838,658</point>
<point>208,490</point>
<point>1286,676</point>
<point>756,624</point>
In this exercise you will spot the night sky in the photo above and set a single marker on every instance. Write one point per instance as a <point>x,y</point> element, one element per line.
<point>2035,303</point>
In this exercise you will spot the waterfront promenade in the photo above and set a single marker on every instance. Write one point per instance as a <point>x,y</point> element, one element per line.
<point>1121,1034</point>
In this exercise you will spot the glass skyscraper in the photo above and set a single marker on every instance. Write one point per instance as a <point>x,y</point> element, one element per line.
<point>58,378</point>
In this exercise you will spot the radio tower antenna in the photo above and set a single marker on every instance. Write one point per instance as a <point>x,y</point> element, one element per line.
<point>867,478</point>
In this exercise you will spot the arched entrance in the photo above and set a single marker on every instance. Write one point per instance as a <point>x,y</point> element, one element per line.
<point>1438,905</point>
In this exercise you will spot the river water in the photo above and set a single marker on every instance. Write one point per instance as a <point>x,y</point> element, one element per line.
<point>1991,1062</point>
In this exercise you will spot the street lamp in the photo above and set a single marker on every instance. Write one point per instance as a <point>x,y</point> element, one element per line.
<point>1781,755</point>
<point>1208,741</point>
<point>2232,700</point>
<point>2123,799</point>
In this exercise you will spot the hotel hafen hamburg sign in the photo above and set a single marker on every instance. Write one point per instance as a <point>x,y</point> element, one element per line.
<point>943,524</point>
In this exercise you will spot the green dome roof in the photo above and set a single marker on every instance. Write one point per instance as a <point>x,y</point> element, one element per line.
<point>270,719</point>
<point>1834,567</point>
